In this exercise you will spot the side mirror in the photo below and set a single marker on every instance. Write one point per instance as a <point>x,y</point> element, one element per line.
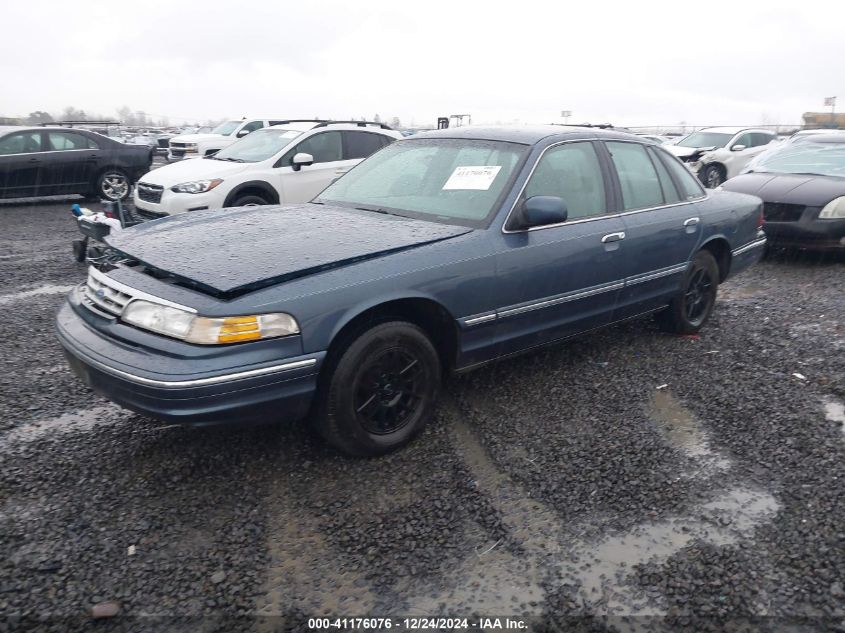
<point>541,211</point>
<point>737,148</point>
<point>301,159</point>
<point>242,133</point>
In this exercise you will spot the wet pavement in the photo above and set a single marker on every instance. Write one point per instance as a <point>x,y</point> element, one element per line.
<point>628,480</point>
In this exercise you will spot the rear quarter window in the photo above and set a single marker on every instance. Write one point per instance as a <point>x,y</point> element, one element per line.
<point>691,189</point>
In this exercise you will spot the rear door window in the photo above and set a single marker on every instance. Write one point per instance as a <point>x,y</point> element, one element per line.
<point>670,192</point>
<point>63,141</point>
<point>637,175</point>
<point>361,144</point>
<point>690,187</point>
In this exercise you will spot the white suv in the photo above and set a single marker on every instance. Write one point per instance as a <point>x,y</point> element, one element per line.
<point>715,154</point>
<point>284,164</point>
<point>196,145</point>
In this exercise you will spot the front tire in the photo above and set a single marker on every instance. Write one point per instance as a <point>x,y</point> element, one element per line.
<point>249,201</point>
<point>693,305</point>
<point>380,391</point>
<point>113,185</point>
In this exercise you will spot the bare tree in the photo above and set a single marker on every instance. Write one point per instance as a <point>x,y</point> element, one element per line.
<point>38,117</point>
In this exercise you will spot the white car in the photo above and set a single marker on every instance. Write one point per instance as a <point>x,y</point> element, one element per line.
<point>716,154</point>
<point>284,164</point>
<point>197,145</point>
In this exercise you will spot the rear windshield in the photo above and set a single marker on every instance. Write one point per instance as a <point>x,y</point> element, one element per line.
<point>443,180</point>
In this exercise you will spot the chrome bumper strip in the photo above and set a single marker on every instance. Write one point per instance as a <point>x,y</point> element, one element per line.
<point>748,247</point>
<point>199,382</point>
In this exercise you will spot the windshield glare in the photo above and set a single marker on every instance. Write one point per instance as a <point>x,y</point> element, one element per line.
<point>705,139</point>
<point>259,145</point>
<point>807,157</point>
<point>226,128</point>
<point>444,180</point>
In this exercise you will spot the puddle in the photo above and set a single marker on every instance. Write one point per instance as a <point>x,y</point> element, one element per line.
<point>834,411</point>
<point>48,289</point>
<point>66,423</point>
<point>722,521</point>
<point>683,430</point>
<point>560,555</point>
<point>731,292</point>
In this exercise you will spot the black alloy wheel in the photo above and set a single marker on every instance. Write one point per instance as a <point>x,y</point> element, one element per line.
<point>378,389</point>
<point>694,303</point>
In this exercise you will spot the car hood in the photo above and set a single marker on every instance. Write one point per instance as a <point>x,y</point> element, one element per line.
<point>197,138</point>
<point>683,152</point>
<point>188,170</point>
<point>229,253</point>
<point>810,191</point>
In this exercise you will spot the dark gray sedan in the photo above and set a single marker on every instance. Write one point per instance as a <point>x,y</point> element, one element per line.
<point>439,253</point>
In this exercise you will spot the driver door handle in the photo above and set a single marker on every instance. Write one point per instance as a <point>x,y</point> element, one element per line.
<point>613,237</point>
<point>692,221</point>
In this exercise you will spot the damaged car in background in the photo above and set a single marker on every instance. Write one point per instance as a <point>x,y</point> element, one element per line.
<point>440,253</point>
<point>716,154</point>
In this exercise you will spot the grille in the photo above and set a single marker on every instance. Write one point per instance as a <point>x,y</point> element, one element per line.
<point>178,153</point>
<point>177,144</point>
<point>104,296</point>
<point>150,193</point>
<point>780,212</point>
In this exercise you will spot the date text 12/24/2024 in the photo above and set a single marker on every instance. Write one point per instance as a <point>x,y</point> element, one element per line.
<point>418,624</point>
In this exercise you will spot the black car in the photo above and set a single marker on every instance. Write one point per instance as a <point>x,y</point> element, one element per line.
<point>802,186</point>
<point>44,161</point>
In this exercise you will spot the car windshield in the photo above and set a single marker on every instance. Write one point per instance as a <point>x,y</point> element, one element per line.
<point>443,180</point>
<point>260,145</point>
<point>226,128</point>
<point>705,139</point>
<point>807,157</point>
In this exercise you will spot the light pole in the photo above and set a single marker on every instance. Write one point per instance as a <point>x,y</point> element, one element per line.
<point>831,101</point>
<point>565,114</point>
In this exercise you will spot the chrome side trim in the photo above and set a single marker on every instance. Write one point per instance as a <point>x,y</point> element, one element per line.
<point>134,293</point>
<point>564,298</point>
<point>476,320</point>
<point>673,270</point>
<point>706,195</point>
<point>201,382</point>
<point>748,247</point>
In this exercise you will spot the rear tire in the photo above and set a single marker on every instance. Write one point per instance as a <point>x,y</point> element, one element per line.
<point>380,391</point>
<point>693,305</point>
<point>113,185</point>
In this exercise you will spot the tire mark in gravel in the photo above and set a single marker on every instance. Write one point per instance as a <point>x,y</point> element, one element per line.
<point>555,554</point>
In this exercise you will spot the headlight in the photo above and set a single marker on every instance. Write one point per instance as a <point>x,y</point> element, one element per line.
<point>207,330</point>
<point>196,186</point>
<point>833,210</point>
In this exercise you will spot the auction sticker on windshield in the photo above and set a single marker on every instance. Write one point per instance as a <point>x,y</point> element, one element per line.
<point>472,177</point>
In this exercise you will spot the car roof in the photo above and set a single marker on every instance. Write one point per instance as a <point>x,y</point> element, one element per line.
<point>527,135</point>
<point>732,130</point>
<point>830,137</point>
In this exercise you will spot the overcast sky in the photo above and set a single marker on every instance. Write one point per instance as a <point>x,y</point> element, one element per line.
<point>630,63</point>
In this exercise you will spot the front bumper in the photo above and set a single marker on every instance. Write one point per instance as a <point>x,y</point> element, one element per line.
<point>808,232</point>
<point>172,203</point>
<point>216,386</point>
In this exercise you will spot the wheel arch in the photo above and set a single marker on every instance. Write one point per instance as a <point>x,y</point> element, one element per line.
<point>259,187</point>
<point>720,248</point>
<point>423,311</point>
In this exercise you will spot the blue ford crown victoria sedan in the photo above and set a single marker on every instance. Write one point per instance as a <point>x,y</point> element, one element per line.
<point>439,253</point>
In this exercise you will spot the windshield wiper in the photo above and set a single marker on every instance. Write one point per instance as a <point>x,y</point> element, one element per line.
<point>375,210</point>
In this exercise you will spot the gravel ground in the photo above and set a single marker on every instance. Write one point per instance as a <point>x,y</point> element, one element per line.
<point>628,480</point>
